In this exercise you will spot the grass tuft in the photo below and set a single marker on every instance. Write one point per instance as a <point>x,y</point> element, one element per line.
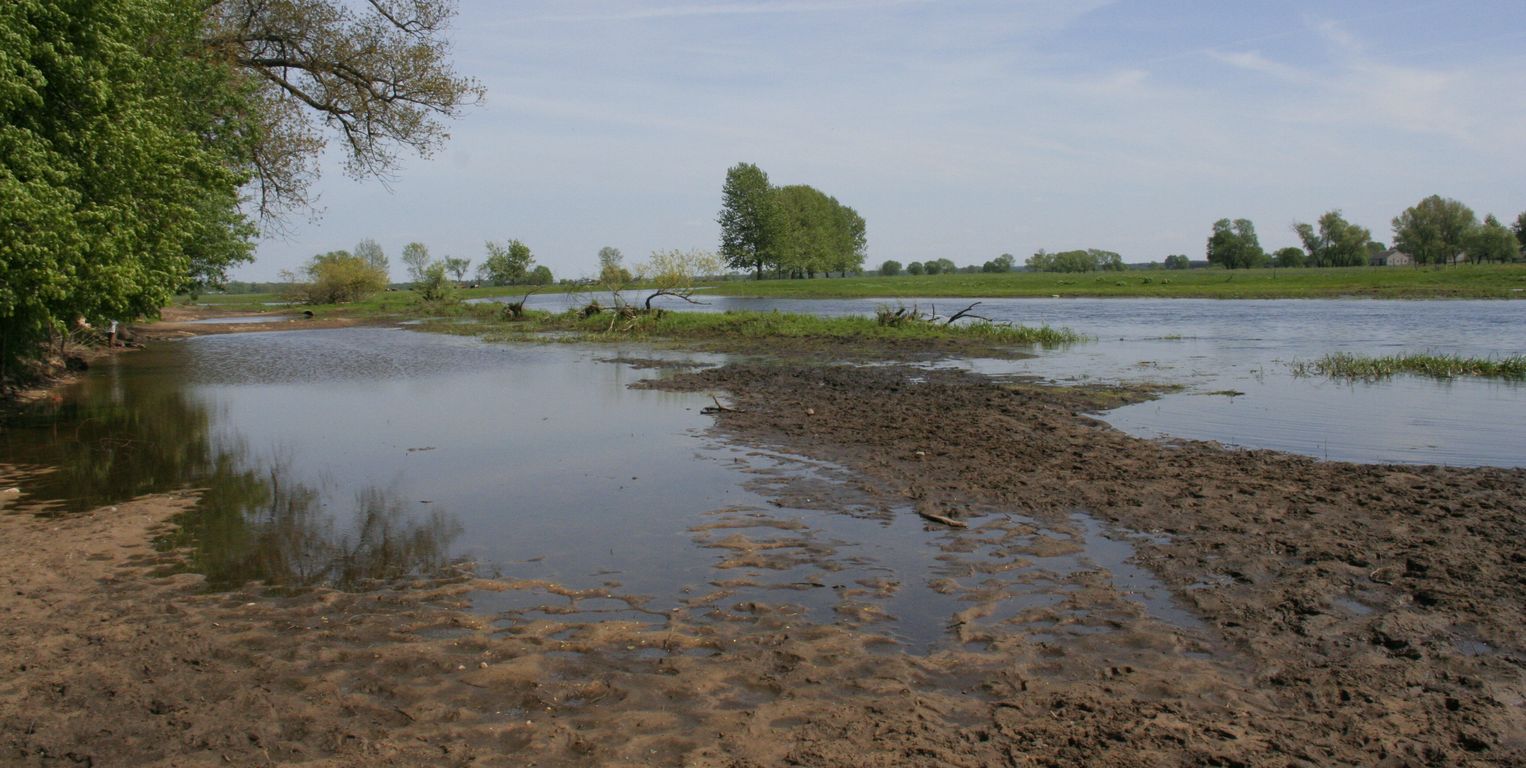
<point>1344,365</point>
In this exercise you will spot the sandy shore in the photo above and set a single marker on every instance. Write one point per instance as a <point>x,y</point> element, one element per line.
<point>1341,615</point>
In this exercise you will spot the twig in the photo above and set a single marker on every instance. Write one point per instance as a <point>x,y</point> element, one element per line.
<point>948,521</point>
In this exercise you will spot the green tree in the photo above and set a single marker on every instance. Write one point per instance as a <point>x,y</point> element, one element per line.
<point>1234,245</point>
<point>612,272</point>
<point>915,268</point>
<point>1002,263</point>
<point>433,284</point>
<point>1337,242</point>
<point>457,268</point>
<point>1493,241</point>
<point>1178,261</point>
<point>540,275</point>
<point>1520,231</point>
<point>416,259</point>
<point>372,252</point>
<point>676,273</point>
<point>748,219</point>
<point>339,277</point>
<point>1290,257</point>
<point>506,264</point>
<point>1435,230</point>
<point>890,268</point>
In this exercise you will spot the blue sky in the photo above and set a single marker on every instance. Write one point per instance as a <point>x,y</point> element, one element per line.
<point>960,130</point>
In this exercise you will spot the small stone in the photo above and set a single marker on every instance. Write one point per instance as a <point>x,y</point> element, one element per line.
<point>482,664</point>
<point>810,411</point>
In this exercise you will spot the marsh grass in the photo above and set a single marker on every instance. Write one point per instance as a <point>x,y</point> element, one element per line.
<point>754,326</point>
<point>1343,365</point>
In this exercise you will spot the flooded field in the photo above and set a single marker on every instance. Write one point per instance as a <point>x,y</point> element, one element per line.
<point>1232,358</point>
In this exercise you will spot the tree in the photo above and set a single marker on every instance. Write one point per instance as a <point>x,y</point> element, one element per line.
<point>748,219</point>
<point>1002,263</point>
<point>1337,243</point>
<point>1520,231</point>
<point>612,272</point>
<point>506,264</point>
<point>890,268</point>
<point>1234,245</point>
<point>540,275</point>
<point>1435,230</point>
<point>1178,261</point>
<point>372,252</point>
<point>1290,257</point>
<point>675,273</point>
<point>339,277</point>
<point>915,268</point>
<point>378,76</point>
<point>416,259</point>
<point>432,284</point>
<point>1492,241</point>
<point>1090,260</point>
<point>457,267</point>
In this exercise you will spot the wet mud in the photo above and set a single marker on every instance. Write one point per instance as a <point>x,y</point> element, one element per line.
<point>1109,601</point>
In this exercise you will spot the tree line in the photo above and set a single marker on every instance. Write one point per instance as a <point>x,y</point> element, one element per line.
<point>144,143</point>
<point>791,231</point>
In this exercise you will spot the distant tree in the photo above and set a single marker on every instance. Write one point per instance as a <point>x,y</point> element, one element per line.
<point>748,219</point>
<point>890,268</point>
<point>1002,263</point>
<point>676,273</point>
<point>612,272</point>
<point>1234,245</point>
<point>416,259</point>
<point>915,268</point>
<point>1178,261</point>
<point>1336,243</point>
<point>1520,231</point>
<point>1374,250</point>
<point>1290,256</point>
<point>506,264</point>
<point>371,251</point>
<point>339,277</point>
<point>540,275</point>
<point>433,285</point>
<point>1492,241</point>
<point>1435,230</point>
<point>457,267</point>
<point>932,266</point>
<point>1090,260</point>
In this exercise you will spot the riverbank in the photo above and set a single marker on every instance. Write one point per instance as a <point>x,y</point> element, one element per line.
<point>1325,614</point>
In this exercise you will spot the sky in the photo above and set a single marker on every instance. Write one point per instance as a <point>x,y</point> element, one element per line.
<point>959,130</point>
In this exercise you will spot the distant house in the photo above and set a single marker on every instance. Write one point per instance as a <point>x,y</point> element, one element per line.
<point>1393,257</point>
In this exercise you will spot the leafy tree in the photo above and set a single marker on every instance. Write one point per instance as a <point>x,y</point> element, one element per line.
<point>612,272</point>
<point>506,264</point>
<point>1002,263</point>
<point>433,285</point>
<point>1090,260</point>
<point>915,268</point>
<point>1520,231</point>
<point>1492,241</point>
<point>890,268</point>
<point>1234,245</point>
<point>1178,261</point>
<point>806,230</point>
<point>457,267</point>
<point>1374,250</point>
<point>748,219</point>
<point>339,277</point>
<point>1290,257</point>
<point>1337,243</point>
<point>1435,230</point>
<point>416,259</point>
<point>540,275</point>
<point>372,252</point>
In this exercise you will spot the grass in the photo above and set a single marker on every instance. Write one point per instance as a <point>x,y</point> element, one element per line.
<point>749,327</point>
<point>1348,366</point>
<point>1488,281</point>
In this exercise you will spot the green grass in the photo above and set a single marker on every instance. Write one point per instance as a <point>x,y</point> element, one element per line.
<point>751,327</point>
<point>1347,366</point>
<point>1493,281</point>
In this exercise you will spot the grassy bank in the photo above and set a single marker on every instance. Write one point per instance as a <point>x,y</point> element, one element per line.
<point>1348,366</point>
<point>1502,281</point>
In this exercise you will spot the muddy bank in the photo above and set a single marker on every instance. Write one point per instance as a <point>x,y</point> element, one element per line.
<point>1335,615</point>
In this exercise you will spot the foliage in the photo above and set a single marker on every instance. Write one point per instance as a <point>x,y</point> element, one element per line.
<point>540,275</point>
<point>1002,263</point>
<point>433,285</point>
<point>416,260</point>
<point>1348,366</point>
<point>675,273</point>
<point>1290,257</point>
<point>1337,243</point>
<point>378,76</point>
<point>506,263</point>
<point>1492,241</point>
<point>114,196</point>
<point>339,277</point>
<point>1434,231</point>
<point>457,267</point>
<point>939,267</point>
<point>1520,231</point>
<point>1234,245</point>
<point>1178,261</point>
<point>612,272</point>
<point>1091,260</point>
<point>372,252</point>
<point>915,268</point>
<point>890,268</point>
<point>749,219</point>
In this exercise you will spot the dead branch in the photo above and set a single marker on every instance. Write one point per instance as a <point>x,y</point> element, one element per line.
<point>966,313</point>
<point>937,518</point>
<point>718,408</point>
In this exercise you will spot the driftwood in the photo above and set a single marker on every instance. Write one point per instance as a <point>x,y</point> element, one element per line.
<point>966,313</point>
<point>937,518</point>
<point>717,408</point>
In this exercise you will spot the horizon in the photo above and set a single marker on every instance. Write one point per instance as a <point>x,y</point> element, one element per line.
<point>958,131</point>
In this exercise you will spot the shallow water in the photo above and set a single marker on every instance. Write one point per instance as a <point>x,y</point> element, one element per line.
<point>1212,346</point>
<point>355,456</point>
